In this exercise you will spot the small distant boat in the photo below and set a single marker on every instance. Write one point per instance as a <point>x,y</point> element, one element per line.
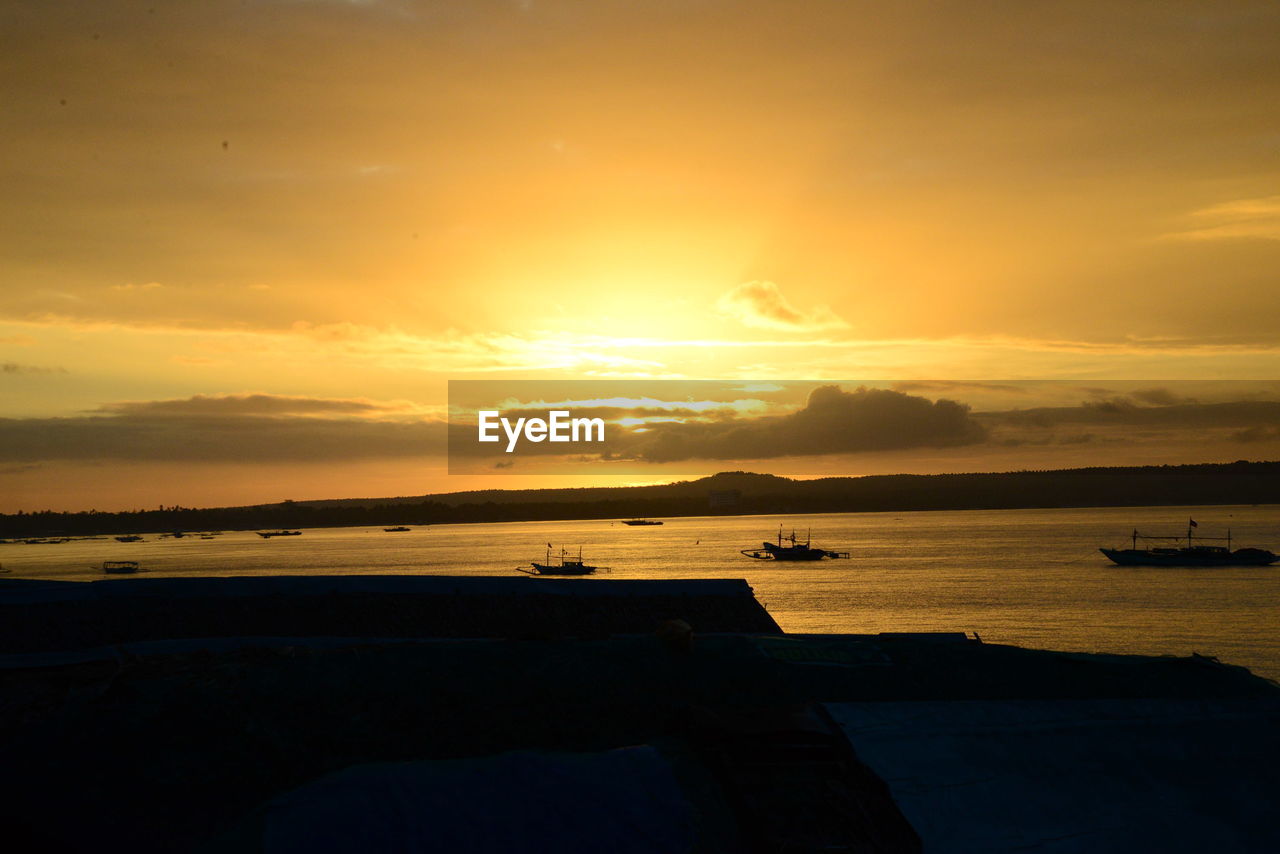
<point>1189,555</point>
<point>642,521</point>
<point>562,564</point>
<point>796,551</point>
<point>269,534</point>
<point>120,567</point>
<point>396,530</point>
<point>129,538</point>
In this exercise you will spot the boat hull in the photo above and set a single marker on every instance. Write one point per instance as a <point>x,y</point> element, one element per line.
<point>568,569</point>
<point>791,553</point>
<point>1183,557</point>
<point>796,554</point>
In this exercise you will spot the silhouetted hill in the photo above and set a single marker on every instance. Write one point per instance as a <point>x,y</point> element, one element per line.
<point>741,480</point>
<point>727,493</point>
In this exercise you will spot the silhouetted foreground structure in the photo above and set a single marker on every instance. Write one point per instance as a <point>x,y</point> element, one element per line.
<point>61,615</point>
<point>594,721</point>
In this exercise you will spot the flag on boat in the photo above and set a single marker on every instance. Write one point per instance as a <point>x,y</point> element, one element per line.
<point>1193,523</point>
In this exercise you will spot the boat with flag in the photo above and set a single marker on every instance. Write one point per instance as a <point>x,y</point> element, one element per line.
<point>560,564</point>
<point>1192,554</point>
<point>796,551</point>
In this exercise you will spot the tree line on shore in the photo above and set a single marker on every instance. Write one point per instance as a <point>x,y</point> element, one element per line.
<point>727,493</point>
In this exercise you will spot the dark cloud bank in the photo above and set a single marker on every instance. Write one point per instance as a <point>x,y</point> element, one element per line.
<point>833,421</point>
<point>270,428</point>
<point>235,428</point>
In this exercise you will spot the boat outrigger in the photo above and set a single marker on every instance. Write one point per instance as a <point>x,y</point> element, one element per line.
<point>566,565</point>
<point>795,551</point>
<point>1190,554</point>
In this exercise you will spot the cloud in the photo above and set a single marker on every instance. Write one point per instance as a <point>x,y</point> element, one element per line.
<point>197,361</point>
<point>761,305</point>
<point>1257,433</point>
<point>1242,219</point>
<point>254,428</point>
<point>957,385</point>
<point>1159,397</point>
<point>236,405</point>
<point>222,440</point>
<point>833,421</point>
<point>15,368</point>
<point>454,352</point>
<point>1123,411</point>
<point>20,469</point>
<point>130,286</point>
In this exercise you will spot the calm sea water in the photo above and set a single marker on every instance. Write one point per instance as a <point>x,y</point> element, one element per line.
<point>1027,577</point>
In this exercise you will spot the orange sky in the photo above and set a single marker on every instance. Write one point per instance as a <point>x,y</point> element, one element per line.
<point>361,199</point>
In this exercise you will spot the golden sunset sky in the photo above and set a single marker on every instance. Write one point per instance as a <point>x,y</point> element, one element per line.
<point>295,213</point>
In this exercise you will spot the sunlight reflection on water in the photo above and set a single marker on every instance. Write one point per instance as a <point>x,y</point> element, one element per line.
<point>1027,577</point>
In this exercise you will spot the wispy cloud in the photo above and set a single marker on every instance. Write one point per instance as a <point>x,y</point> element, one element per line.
<point>261,405</point>
<point>244,428</point>
<point>16,368</point>
<point>761,305</point>
<point>953,386</point>
<point>1241,219</point>
<point>131,286</point>
<point>536,352</point>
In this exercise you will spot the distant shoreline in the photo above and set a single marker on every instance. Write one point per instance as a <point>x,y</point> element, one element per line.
<point>724,494</point>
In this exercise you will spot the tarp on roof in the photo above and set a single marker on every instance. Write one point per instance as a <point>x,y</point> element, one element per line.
<point>624,801</point>
<point>1093,776</point>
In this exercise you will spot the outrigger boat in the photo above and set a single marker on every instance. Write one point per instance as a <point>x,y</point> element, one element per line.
<point>567,565</point>
<point>634,522</point>
<point>795,551</point>
<point>120,567</point>
<point>1190,554</point>
<point>266,535</point>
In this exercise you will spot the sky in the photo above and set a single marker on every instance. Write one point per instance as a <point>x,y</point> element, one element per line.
<point>244,246</point>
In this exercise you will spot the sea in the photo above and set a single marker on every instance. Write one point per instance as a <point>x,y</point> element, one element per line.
<point>1033,578</point>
